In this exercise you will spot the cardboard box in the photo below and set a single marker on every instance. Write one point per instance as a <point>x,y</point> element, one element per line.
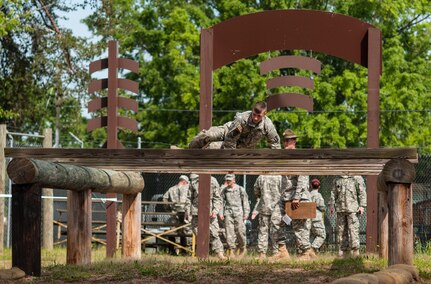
<point>306,210</point>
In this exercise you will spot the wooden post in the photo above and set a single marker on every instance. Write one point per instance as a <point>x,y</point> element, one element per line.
<point>131,238</point>
<point>202,241</point>
<point>79,227</point>
<point>26,228</point>
<point>383,217</point>
<point>3,132</point>
<point>47,203</point>
<point>398,176</point>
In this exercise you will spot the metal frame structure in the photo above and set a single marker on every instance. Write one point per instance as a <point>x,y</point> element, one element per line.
<point>333,34</point>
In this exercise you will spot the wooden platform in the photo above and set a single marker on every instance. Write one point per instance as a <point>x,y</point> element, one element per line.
<point>358,161</point>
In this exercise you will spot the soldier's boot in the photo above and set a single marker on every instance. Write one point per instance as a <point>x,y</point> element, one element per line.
<point>221,256</point>
<point>343,254</point>
<point>230,253</point>
<point>242,252</point>
<point>355,252</point>
<point>306,255</point>
<point>313,253</point>
<point>199,141</point>
<point>262,256</point>
<point>281,254</point>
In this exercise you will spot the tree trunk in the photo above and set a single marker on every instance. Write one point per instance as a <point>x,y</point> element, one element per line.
<point>76,178</point>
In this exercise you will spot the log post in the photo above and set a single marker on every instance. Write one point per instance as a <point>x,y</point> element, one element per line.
<point>26,228</point>
<point>131,237</point>
<point>3,132</point>
<point>383,217</point>
<point>47,203</point>
<point>202,242</point>
<point>398,175</point>
<point>79,227</point>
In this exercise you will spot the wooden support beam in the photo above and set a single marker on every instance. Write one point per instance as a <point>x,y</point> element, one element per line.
<point>26,228</point>
<point>359,161</point>
<point>47,203</point>
<point>399,175</point>
<point>132,225</point>
<point>79,227</point>
<point>56,175</point>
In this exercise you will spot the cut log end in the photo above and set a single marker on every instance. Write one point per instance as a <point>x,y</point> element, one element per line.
<point>22,171</point>
<point>399,171</point>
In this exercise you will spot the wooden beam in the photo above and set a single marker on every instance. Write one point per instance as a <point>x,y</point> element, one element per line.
<point>132,225</point>
<point>358,161</point>
<point>26,228</point>
<point>64,176</point>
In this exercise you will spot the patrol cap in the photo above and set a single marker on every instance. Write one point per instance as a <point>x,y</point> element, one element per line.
<point>229,177</point>
<point>315,182</point>
<point>194,176</point>
<point>184,177</point>
<point>289,134</point>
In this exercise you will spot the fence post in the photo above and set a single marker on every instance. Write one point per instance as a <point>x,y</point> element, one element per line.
<point>131,237</point>
<point>383,217</point>
<point>398,175</point>
<point>3,132</point>
<point>79,227</point>
<point>47,203</point>
<point>26,227</point>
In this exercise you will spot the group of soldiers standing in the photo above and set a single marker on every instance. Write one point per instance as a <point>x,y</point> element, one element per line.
<point>230,204</point>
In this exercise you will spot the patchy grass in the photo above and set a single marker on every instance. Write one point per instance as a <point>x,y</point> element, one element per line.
<point>177,269</point>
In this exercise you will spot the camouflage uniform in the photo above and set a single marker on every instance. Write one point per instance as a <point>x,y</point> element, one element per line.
<point>215,206</point>
<point>317,224</point>
<point>240,133</point>
<point>267,190</point>
<point>296,187</point>
<point>235,207</point>
<point>347,195</point>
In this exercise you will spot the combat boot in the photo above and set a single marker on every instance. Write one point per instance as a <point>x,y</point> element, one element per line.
<point>262,256</point>
<point>221,256</point>
<point>343,254</point>
<point>281,254</point>
<point>313,253</point>
<point>306,255</point>
<point>355,252</point>
<point>242,252</point>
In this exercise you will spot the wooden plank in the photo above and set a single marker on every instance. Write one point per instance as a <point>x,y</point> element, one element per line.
<point>306,210</point>
<point>26,228</point>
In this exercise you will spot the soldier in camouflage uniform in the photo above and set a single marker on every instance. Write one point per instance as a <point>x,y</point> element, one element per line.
<point>235,211</point>
<point>215,205</point>
<point>267,191</point>
<point>317,225</point>
<point>295,189</point>
<point>247,129</point>
<point>349,198</point>
<point>178,194</point>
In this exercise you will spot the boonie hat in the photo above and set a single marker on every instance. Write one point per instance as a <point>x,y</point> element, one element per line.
<point>289,134</point>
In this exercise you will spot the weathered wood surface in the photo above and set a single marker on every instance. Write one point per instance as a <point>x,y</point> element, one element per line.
<point>132,225</point>
<point>398,176</point>
<point>3,131</point>
<point>77,178</point>
<point>359,161</point>
<point>26,228</point>
<point>79,227</point>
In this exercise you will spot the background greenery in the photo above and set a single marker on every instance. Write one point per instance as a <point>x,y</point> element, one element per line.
<point>44,71</point>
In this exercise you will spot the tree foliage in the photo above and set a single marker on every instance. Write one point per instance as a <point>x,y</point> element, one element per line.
<point>164,37</point>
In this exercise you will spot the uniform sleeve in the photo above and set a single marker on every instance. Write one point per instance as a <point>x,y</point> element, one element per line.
<point>222,200</point>
<point>362,193</point>
<point>216,199</point>
<point>234,132</point>
<point>256,208</point>
<point>301,186</point>
<point>245,203</point>
<point>272,136</point>
<point>257,187</point>
<point>333,195</point>
<point>320,202</point>
<point>166,198</point>
<point>188,203</point>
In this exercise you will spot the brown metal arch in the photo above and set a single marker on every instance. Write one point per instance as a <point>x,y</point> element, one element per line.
<point>334,34</point>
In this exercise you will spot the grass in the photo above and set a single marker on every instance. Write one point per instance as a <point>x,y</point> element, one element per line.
<point>162,268</point>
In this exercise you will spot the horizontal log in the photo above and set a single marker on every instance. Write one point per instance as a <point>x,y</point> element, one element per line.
<point>358,161</point>
<point>399,171</point>
<point>76,178</point>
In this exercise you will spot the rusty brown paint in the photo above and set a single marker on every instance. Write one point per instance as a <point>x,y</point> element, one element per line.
<point>299,81</point>
<point>290,99</point>
<point>128,85</point>
<point>99,103</point>
<point>290,61</point>
<point>98,65</point>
